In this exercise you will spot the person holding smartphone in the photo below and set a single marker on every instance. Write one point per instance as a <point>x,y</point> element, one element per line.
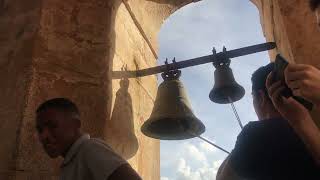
<point>268,149</point>
<point>297,115</point>
<point>304,81</point>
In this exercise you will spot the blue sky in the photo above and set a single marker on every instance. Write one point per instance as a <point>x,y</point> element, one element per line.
<point>192,32</point>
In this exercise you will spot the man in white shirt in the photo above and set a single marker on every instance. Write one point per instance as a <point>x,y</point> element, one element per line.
<point>58,125</point>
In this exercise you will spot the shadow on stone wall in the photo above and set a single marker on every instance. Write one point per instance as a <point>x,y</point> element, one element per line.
<point>52,49</point>
<point>120,133</point>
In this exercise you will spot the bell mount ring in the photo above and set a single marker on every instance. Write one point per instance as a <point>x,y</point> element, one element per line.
<point>171,74</point>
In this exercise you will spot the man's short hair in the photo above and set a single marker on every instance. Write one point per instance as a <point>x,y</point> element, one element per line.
<point>259,78</point>
<point>61,104</point>
<point>314,4</point>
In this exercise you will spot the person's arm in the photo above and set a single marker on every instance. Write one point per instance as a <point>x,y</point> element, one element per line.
<point>304,81</point>
<point>310,135</point>
<point>297,116</point>
<point>226,172</point>
<point>123,172</point>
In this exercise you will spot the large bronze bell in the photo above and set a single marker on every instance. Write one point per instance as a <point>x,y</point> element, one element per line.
<point>172,117</point>
<point>225,89</point>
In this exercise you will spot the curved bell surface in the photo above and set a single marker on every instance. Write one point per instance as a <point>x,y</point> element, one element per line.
<point>172,117</point>
<point>225,89</point>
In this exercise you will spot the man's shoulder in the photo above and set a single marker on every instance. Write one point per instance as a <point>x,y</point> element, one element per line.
<point>96,150</point>
<point>99,158</point>
<point>265,125</point>
<point>251,127</point>
<point>263,131</point>
<point>94,145</point>
<point>252,124</point>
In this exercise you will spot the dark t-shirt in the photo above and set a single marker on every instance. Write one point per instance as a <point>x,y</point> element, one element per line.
<point>270,149</point>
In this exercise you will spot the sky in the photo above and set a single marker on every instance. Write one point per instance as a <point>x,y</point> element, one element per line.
<point>191,32</point>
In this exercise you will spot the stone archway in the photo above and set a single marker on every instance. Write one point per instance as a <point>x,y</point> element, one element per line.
<point>58,48</point>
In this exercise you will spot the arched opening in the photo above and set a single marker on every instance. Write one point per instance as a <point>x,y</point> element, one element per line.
<point>68,48</point>
<point>192,32</point>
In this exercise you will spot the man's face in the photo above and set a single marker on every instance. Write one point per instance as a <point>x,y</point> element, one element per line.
<point>56,131</point>
<point>256,103</point>
<point>260,104</point>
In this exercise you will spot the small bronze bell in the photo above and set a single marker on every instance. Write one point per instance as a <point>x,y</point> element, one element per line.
<point>226,89</point>
<point>172,117</point>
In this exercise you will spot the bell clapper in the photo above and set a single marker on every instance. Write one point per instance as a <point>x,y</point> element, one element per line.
<point>235,112</point>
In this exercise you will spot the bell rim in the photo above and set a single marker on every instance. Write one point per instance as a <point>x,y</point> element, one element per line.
<point>234,99</point>
<point>144,129</point>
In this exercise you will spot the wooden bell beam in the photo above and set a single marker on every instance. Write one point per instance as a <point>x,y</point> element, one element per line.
<point>196,61</point>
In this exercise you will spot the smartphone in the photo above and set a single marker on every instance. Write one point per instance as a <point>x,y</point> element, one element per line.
<point>280,65</point>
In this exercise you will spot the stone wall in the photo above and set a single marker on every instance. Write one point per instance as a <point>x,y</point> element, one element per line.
<point>292,25</point>
<point>19,23</point>
<point>59,48</point>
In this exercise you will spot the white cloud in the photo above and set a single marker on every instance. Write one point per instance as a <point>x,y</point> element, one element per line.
<point>164,178</point>
<point>193,161</point>
<point>171,153</point>
<point>217,164</point>
<point>194,152</point>
<point>206,172</point>
<point>184,172</point>
<point>207,147</point>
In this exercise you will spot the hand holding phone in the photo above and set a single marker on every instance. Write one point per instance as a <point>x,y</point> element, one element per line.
<point>278,75</point>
